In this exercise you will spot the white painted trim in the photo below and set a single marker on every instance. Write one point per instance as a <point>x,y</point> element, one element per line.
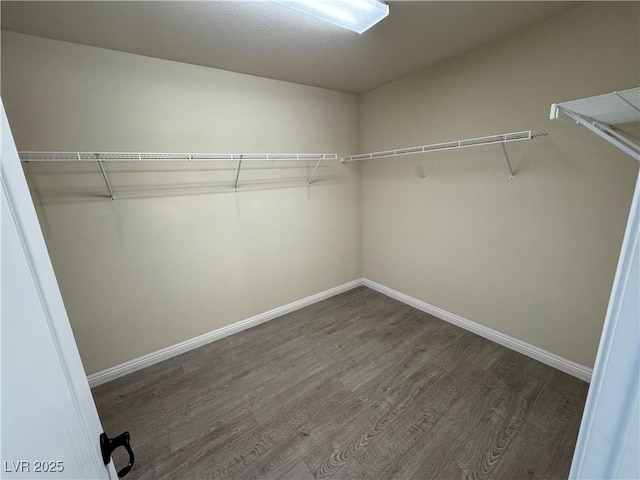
<point>537,353</point>
<point>152,358</point>
<point>548,358</point>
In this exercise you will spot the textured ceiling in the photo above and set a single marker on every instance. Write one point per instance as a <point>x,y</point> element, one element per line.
<point>266,39</point>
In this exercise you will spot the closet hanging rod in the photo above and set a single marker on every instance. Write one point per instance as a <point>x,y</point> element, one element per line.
<point>41,156</point>
<point>500,138</point>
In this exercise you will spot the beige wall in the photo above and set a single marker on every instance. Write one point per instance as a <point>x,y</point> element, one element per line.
<point>178,255</point>
<point>168,260</point>
<point>533,258</point>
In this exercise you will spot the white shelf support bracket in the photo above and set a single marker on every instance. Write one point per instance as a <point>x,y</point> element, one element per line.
<point>314,171</point>
<point>605,132</point>
<point>615,133</point>
<point>235,187</point>
<point>106,179</point>
<point>512,175</point>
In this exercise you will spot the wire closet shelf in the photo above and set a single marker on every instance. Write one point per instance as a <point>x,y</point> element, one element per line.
<point>601,113</point>
<point>497,139</point>
<point>102,157</point>
<point>40,156</point>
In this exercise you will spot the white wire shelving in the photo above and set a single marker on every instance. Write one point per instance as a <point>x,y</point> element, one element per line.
<point>40,156</point>
<point>601,113</point>
<point>111,157</point>
<point>498,139</point>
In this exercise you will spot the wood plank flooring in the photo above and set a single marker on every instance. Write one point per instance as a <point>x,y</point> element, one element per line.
<point>358,386</point>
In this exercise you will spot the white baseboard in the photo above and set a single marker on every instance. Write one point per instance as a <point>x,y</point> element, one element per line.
<point>139,363</point>
<point>537,353</point>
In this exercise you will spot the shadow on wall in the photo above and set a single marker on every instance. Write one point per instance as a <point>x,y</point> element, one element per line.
<point>69,182</point>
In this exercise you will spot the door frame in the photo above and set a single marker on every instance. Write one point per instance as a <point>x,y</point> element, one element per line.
<point>608,440</point>
<point>23,211</point>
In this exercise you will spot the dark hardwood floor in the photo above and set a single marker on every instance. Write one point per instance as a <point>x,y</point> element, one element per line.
<point>356,386</point>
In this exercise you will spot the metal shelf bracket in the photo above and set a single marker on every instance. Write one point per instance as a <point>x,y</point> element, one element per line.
<point>106,179</point>
<point>603,131</point>
<point>235,187</point>
<point>314,171</point>
<point>512,175</point>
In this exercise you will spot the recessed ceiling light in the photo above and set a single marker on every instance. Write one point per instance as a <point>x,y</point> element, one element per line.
<point>355,15</point>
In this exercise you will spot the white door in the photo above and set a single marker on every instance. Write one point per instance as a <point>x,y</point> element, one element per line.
<point>609,439</point>
<point>49,426</point>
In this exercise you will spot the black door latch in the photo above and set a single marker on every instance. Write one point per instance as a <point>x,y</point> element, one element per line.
<point>108,445</point>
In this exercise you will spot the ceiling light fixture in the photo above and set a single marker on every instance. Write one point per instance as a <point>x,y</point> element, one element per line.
<point>355,15</point>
